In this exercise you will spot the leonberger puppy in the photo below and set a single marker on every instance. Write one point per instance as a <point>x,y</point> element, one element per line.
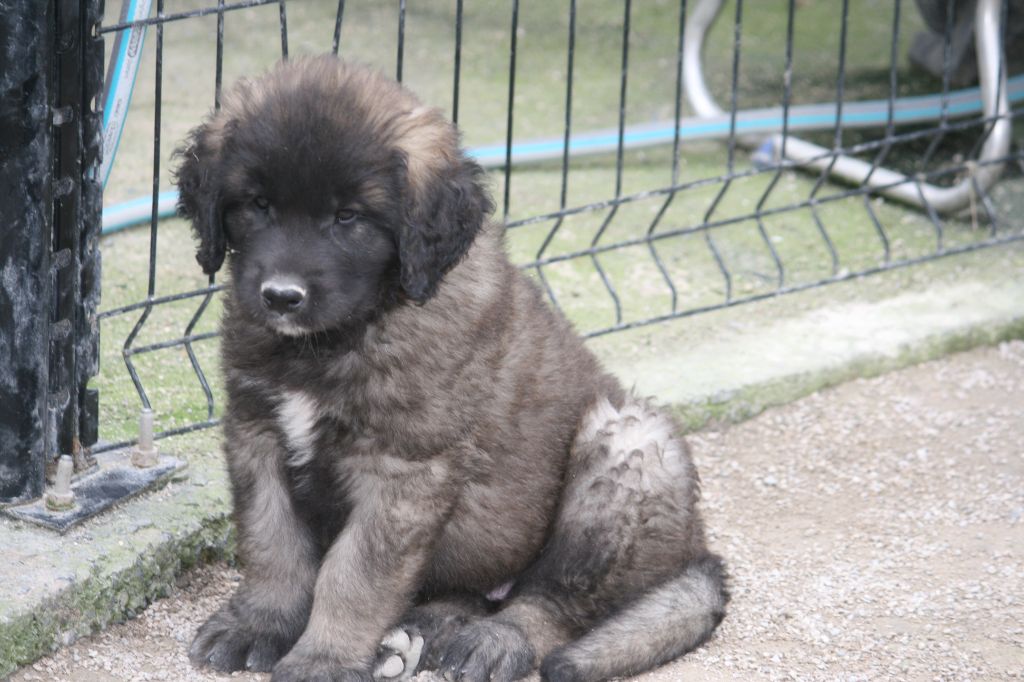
<point>429,468</point>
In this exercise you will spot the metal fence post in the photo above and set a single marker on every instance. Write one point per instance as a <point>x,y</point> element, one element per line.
<point>50,219</point>
<point>26,147</point>
<point>90,224</point>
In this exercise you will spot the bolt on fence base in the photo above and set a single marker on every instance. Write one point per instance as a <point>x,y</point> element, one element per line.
<point>60,497</point>
<point>144,455</point>
<point>119,474</point>
<point>116,479</point>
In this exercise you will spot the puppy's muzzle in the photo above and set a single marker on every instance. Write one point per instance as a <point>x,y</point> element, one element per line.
<point>283,298</point>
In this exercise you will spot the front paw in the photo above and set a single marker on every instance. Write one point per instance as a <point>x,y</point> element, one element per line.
<point>398,655</point>
<point>305,668</point>
<point>417,643</point>
<point>226,643</point>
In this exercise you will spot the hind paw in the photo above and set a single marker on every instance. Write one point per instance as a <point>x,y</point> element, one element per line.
<point>487,650</point>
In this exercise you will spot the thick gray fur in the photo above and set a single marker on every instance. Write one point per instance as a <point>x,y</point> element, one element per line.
<point>409,425</point>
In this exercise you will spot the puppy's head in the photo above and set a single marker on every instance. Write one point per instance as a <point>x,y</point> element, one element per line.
<point>334,192</point>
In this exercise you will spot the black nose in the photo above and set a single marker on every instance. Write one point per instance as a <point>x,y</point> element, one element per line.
<point>282,298</point>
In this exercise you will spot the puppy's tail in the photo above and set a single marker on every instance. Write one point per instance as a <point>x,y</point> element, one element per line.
<point>659,626</point>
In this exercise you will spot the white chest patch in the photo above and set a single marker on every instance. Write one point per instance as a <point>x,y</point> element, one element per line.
<point>297,415</point>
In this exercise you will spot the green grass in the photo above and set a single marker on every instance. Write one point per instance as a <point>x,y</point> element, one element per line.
<point>253,44</point>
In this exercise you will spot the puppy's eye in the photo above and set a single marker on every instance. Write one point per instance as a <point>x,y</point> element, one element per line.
<point>262,203</point>
<point>345,216</point>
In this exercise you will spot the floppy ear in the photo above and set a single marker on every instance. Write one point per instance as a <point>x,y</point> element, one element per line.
<point>199,192</point>
<point>445,212</point>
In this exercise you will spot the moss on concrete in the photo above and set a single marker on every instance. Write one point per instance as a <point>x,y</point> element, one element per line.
<point>56,588</point>
<point>89,604</point>
<point>742,404</point>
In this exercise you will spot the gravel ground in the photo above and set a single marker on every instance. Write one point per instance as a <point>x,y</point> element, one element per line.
<point>873,531</point>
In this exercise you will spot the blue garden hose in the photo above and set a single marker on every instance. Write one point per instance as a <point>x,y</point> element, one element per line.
<point>120,82</point>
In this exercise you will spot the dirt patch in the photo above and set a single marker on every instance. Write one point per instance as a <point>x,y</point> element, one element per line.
<point>873,531</point>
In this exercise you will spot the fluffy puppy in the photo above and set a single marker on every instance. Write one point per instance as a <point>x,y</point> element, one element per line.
<point>414,438</point>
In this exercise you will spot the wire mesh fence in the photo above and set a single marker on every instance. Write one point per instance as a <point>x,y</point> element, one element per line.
<point>628,192</point>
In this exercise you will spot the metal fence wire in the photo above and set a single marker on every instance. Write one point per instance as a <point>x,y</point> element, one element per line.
<point>629,193</point>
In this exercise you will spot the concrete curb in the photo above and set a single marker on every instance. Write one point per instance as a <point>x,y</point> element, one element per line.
<point>59,588</point>
<point>725,366</point>
<point>737,373</point>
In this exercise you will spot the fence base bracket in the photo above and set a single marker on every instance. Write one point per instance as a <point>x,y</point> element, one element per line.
<point>115,480</point>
